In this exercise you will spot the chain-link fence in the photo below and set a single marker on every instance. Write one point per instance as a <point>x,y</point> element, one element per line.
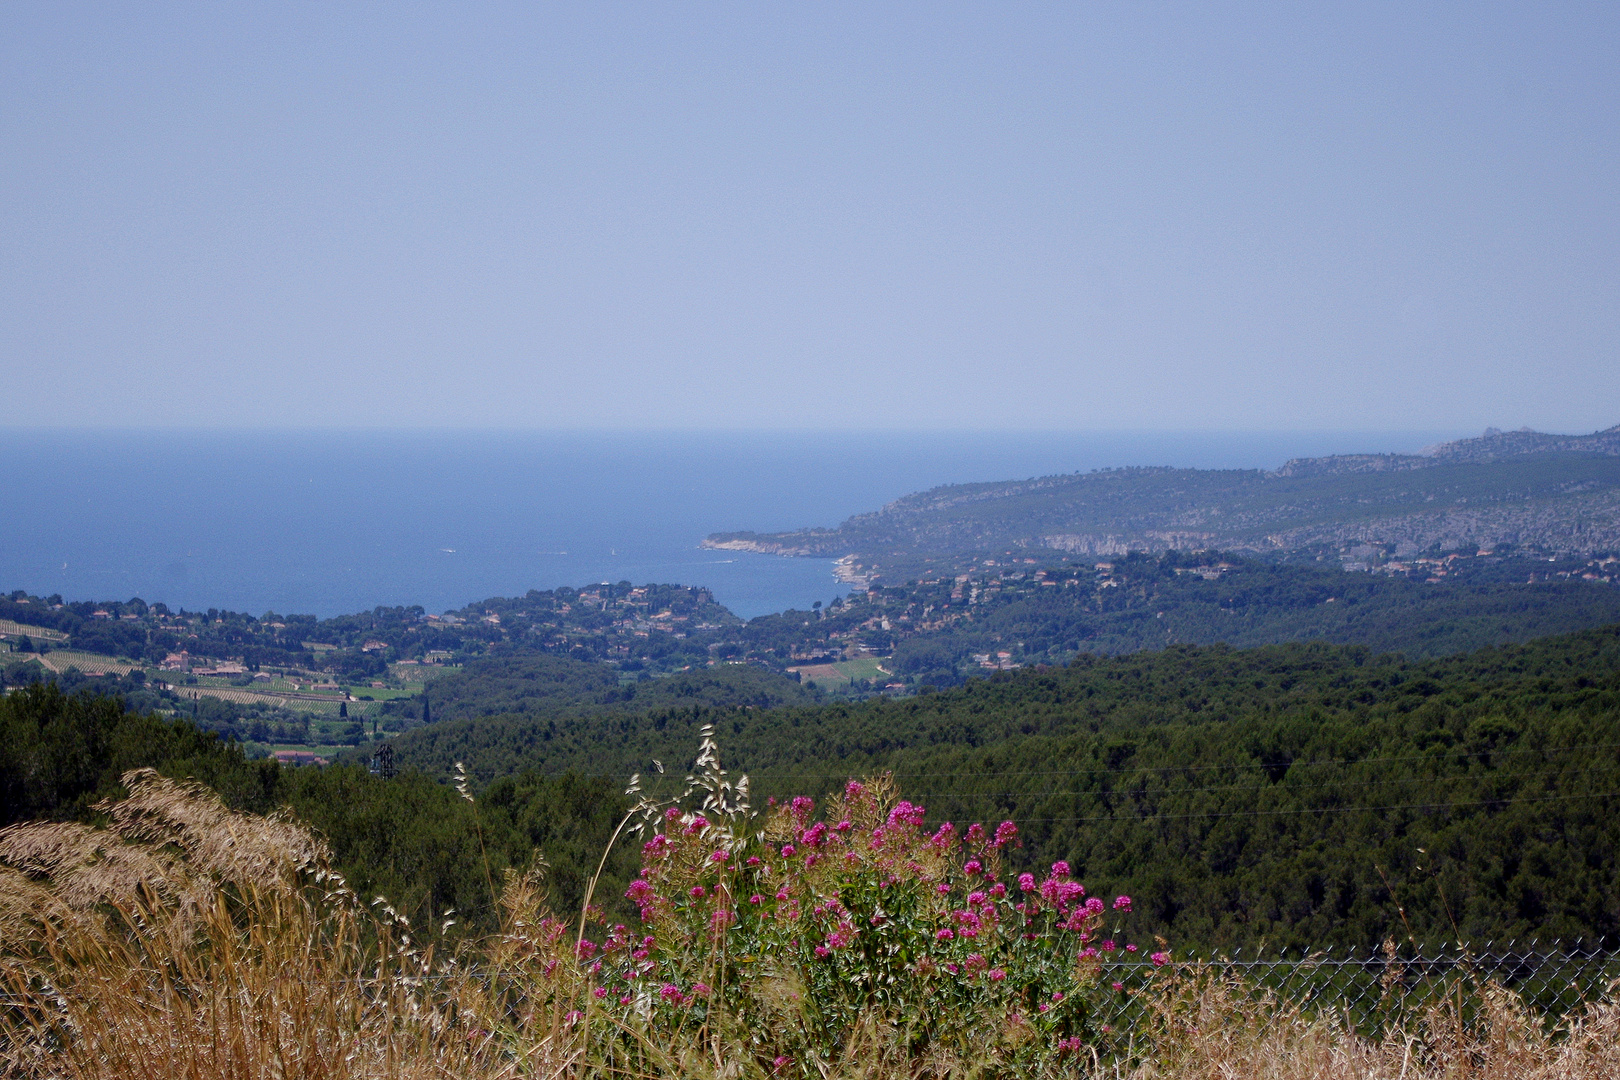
<point>1371,992</point>
<point>1392,986</point>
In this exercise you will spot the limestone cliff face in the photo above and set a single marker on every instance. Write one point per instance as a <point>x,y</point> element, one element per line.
<point>1501,445</point>
<point>1588,524</point>
<point>1582,523</point>
<point>763,546</point>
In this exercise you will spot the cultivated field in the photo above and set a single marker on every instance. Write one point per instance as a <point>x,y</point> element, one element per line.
<point>40,633</point>
<point>59,660</point>
<point>840,675</point>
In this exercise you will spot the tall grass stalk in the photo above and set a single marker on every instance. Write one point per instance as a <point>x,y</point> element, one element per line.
<point>184,940</point>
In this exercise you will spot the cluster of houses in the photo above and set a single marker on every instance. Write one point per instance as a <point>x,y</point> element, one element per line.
<point>202,665</point>
<point>1605,569</point>
<point>1208,573</point>
<point>1431,569</point>
<point>298,757</point>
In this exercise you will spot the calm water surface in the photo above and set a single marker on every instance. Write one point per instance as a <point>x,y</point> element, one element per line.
<point>328,523</point>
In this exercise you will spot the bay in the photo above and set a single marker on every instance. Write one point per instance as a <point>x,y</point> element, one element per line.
<point>326,523</point>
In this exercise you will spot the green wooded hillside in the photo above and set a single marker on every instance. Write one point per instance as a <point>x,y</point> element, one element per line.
<point>414,840</point>
<point>1535,492</point>
<point>557,687</point>
<point>1297,794</point>
<point>1147,602</point>
<point>1240,794</point>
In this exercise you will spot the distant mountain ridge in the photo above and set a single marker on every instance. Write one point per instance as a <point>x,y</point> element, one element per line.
<point>1494,445</point>
<point>1526,489</point>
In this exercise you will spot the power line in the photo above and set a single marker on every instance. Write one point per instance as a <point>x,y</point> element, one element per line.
<point>1165,794</point>
<point>1281,786</point>
<point>1130,797</point>
<point>769,773</point>
<point>1299,811</point>
<point>1331,809</point>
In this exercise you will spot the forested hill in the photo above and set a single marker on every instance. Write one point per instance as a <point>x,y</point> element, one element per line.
<point>1535,492</point>
<point>559,688</point>
<point>1147,602</point>
<point>936,629</point>
<point>414,840</point>
<point>669,625</point>
<point>1292,794</point>
<point>1239,794</point>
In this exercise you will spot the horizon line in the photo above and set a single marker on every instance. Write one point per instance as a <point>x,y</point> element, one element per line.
<point>1460,431</point>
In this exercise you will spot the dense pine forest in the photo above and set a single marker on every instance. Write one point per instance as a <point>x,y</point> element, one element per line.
<point>411,838</point>
<point>560,689</point>
<point>1303,795</point>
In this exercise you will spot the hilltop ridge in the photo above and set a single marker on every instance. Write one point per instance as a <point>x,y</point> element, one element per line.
<point>1528,490</point>
<point>1494,445</point>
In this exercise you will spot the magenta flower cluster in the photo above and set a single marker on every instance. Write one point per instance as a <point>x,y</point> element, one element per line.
<point>868,884</point>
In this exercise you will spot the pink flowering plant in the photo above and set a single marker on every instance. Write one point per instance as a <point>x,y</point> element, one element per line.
<point>794,931</point>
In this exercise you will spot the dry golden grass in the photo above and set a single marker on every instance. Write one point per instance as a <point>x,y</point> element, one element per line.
<point>1207,1027</point>
<point>187,941</point>
<point>183,941</point>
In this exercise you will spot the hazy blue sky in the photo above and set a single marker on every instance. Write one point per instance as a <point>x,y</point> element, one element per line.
<point>1131,216</point>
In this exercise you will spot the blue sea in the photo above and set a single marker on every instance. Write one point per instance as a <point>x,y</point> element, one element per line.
<point>334,522</point>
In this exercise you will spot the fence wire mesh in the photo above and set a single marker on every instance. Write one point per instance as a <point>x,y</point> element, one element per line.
<point>1370,992</point>
<point>1391,987</point>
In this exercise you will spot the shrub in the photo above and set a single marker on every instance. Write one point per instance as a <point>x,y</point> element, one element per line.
<point>799,938</point>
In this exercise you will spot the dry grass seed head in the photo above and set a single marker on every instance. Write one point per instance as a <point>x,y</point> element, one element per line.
<point>237,847</point>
